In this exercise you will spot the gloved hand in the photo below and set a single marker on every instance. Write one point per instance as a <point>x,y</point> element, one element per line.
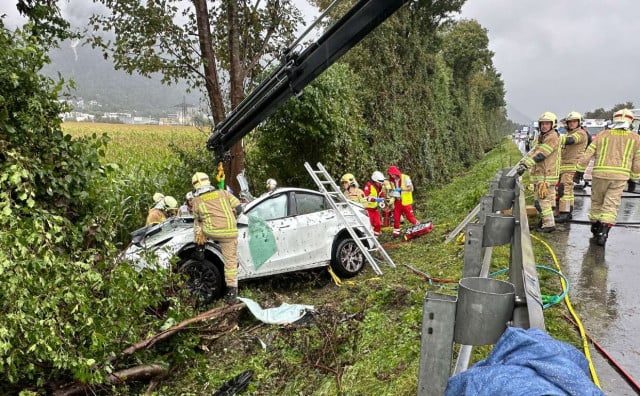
<point>398,189</point>
<point>578,176</point>
<point>378,200</point>
<point>521,169</point>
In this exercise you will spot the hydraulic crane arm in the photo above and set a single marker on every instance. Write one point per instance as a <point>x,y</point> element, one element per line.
<point>298,69</point>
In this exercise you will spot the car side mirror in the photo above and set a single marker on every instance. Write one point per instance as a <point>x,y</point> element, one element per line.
<point>242,220</point>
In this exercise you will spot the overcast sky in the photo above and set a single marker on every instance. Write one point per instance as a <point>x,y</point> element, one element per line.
<point>563,55</point>
<point>554,55</point>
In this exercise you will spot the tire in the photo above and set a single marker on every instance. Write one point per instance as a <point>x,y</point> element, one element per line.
<point>347,259</point>
<point>204,280</point>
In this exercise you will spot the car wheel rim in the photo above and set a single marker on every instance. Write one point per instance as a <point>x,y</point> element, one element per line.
<point>202,281</point>
<point>351,257</point>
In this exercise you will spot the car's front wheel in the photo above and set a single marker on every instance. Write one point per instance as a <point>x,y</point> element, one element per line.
<point>204,280</point>
<point>347,259</point>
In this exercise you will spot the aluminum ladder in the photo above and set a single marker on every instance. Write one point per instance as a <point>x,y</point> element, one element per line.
<point>349,218</point>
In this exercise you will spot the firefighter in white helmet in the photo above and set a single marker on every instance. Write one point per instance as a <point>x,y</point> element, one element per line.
<point>543,163</point>
<point>617,159</point>
<point>352,189</point>
<point>272,184</point>
<point>372,190</point>
<point>572,144</point>
<point>214,215</point>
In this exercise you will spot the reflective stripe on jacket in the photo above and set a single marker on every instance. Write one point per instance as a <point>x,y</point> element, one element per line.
<point>617,155</point>
<point>406,194</point>
<point>547,170</point>
<point>371,193</point>
<point>213,211</point>
<point>571,153</point>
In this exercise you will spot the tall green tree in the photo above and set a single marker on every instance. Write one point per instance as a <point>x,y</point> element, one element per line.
<point>219,45</point>
<point>608,114</point>
<point>65,306</point>
<point>324,124</point>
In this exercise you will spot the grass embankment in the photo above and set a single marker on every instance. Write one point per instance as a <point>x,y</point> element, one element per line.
<point>365,339</point>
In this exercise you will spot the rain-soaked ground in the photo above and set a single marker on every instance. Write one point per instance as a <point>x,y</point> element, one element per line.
<point>605,287</point>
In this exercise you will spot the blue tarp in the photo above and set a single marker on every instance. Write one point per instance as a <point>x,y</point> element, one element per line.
<point>527,362</point>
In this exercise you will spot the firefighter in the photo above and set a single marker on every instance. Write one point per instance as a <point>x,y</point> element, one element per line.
<point>572,144</point>
<point>372,190</point>
<point>543,164</point>
<point>351,189</point>
<point>272,184</point>
<point>164,208</point>
<point>214,215</point>
<point>617,159</point>
<point>403,206</point>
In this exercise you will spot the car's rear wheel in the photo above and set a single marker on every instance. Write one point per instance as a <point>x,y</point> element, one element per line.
<point>204,280</point>
<point>347,259</point>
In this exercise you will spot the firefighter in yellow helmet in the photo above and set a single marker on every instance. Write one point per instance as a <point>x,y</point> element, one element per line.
<point>214,215</point>
<point>572,144</point>
<point>617,159</point>
<point>164,208</point>
<point>543,163</point>
<point>351,188</point>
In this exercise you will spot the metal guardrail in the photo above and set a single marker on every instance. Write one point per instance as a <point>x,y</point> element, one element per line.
<point>484,307</point>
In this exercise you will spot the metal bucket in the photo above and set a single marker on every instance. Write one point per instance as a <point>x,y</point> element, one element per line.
<point>484,307</point>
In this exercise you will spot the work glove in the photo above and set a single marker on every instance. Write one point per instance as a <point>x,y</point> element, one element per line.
<point>521,169</point>
<point>578,176</point>
<point>378,200</point>
<point>542,190</point>
<point>398,189</point>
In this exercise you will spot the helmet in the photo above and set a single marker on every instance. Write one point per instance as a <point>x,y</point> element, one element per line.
<point>271,184</point>
<point>189,196</point>
<point>549,117</point>
<point>574,115</point>
<point>200,179</point>
<point>170,203</point>
<point>622,119</point>
<point>349,178</point>
<point>377,177</point>
<point>157,196</point>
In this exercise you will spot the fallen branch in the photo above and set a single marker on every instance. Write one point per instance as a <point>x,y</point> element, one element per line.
<point>119,377</point>
<point>211,314</point>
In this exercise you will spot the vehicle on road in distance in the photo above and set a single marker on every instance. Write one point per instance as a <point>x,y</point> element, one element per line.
<point>287,230</point>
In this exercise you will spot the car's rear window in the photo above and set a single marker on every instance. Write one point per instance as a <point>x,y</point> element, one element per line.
<point>309,203</point>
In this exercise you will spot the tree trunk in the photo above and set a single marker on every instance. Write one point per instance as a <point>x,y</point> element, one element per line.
<point>237,90</point>
<point>119,377</point>
<point>212,82</point>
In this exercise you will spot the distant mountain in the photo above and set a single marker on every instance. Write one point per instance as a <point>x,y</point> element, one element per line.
<point>115,90</point>
<point>517,116</point>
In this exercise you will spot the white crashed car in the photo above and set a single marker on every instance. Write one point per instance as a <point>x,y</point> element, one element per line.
<point>289,229</point>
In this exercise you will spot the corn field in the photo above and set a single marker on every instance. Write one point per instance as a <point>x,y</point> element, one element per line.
<point>141,160</point>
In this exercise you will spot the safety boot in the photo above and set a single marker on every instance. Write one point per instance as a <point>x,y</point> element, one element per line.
<point>595,228</point>
<point>601,238</point>
<point>232,295</point>
<point>563,217</point>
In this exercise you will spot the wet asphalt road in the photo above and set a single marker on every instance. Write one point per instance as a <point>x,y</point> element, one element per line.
<point>605,286</point>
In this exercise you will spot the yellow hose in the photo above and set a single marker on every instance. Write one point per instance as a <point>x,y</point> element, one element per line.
<point>585,344</point>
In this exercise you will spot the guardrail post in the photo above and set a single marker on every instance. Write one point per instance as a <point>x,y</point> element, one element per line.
<point>436,350</point>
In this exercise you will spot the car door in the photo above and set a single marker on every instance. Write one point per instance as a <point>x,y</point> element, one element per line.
<point>316,225</point>
<point>262,242</point>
